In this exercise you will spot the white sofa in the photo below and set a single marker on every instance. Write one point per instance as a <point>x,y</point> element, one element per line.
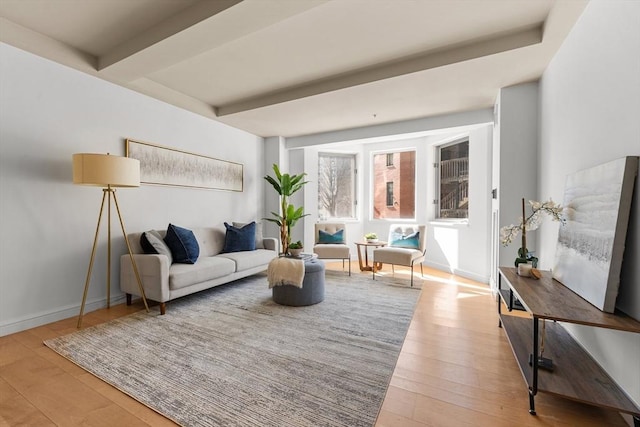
<point>164,282</point>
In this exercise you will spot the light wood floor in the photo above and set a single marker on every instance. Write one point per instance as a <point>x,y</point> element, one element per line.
<point>455,369</point>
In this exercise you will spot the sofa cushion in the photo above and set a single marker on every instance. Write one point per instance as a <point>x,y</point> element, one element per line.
<point>246,260</point>
<point>206,268</point>
<point>240,239</point>
<point>183,244</point>
<point>412,241</point>
<point>327,238</point>
<point>259,234</point>
<point>152,243</point>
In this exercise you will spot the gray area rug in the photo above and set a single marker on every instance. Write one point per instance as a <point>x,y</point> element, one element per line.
<point>230,356</point>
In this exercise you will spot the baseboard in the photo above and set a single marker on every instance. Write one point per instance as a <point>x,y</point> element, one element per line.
<point>457,272</point>
<point>12,326</point>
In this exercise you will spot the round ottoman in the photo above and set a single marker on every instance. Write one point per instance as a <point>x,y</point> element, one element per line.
<point>312,291</point>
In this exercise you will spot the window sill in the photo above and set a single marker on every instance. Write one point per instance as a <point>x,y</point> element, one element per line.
<point>450,222</point>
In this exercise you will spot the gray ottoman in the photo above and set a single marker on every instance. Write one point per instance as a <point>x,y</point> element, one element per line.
<point>312,291</point>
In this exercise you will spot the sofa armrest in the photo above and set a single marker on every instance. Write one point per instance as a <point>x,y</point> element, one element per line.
<point>270,243</point>
<point>154,273</point>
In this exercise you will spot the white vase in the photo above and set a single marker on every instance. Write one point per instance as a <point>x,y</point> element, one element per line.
<point>524,269</point>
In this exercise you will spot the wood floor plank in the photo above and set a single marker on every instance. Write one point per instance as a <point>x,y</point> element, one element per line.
<point>15,410</point>
<point>455,369</point>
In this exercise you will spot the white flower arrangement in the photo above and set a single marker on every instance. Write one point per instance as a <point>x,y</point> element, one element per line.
<point>532,222</point>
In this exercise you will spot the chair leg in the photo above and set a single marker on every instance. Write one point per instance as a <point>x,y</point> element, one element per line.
<point>412,275</point>
<point>349,266</point>
<point>421,271</point>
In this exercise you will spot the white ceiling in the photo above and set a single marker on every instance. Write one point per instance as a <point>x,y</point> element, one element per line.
<point>297,67</point>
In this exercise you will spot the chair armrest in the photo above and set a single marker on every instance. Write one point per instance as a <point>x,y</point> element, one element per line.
<point>154,273</point>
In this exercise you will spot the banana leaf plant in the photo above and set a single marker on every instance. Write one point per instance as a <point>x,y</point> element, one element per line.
<point>286,185</point>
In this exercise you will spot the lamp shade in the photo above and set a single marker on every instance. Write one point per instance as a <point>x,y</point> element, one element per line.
<point>105,170</point>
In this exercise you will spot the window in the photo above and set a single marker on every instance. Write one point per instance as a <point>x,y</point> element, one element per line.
<point>394,187</point>
<point>336,185</point>
<point>389,159</point>
<point>389,194</point>
<point>453,180</point>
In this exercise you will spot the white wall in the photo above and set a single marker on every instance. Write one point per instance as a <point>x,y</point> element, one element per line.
<point>518,164</point>
<point>48,112</point>
<point>589,110</point>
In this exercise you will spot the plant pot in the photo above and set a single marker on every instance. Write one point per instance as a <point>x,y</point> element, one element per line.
<point>372,240</point>
<point>295,252</point>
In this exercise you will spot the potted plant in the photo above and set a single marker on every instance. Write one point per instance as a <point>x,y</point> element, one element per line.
<point>295,248</point>
<point>371,237</point>
<point>530,223</point>
<point>286,185</point>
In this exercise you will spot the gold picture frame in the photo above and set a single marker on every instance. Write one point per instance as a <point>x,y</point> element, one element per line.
<point>160,165</point>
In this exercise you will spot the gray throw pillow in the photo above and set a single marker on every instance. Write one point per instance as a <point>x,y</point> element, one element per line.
<point>155,242</point>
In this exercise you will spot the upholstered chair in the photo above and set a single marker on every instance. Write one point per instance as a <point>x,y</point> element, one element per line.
<point>406,246</point>
<point>331,242</point>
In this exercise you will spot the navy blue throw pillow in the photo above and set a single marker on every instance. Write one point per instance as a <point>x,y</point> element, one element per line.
<point>183,244</point>
<point>240,239</point>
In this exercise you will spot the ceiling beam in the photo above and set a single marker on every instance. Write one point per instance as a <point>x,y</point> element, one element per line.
<point>198,29</point>
<point>428,60</point>
<point>46,47</point>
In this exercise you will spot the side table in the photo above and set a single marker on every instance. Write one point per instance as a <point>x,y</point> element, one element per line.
<point>366,245</point>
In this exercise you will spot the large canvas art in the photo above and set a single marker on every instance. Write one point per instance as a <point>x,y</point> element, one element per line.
<point>591,244</point>
<point>168,166</point>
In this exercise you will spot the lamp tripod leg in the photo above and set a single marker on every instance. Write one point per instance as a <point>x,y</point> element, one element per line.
<point>110,191</point>
<point>133,261</point>
<point>93,256</point>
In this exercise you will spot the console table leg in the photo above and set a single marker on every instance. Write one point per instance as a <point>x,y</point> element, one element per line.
<point>532,405</point>
<point>534,357</point>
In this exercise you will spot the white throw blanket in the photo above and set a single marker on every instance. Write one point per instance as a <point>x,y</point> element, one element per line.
<point>285,271</point>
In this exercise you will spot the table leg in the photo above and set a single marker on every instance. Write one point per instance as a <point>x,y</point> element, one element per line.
<point>363,267</point>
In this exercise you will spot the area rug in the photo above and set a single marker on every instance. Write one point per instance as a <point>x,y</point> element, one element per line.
<point>230,356</point>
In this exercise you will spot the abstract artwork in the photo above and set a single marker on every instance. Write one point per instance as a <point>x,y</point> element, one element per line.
<point>590,246</point>
<point>168,166</point>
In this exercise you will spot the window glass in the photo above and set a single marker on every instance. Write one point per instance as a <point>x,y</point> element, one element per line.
<point>389,194</point>
<point>336,186</point>
<point>394,185</point>
<point>454,180</point>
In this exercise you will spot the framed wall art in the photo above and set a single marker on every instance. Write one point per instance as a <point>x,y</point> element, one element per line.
<point>591,245</point>
<point>168,166</point>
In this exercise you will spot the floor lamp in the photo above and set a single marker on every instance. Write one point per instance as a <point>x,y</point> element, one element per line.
<point>107,171</point>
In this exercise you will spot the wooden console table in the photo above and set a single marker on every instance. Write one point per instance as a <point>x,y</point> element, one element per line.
<point>576,375</point>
